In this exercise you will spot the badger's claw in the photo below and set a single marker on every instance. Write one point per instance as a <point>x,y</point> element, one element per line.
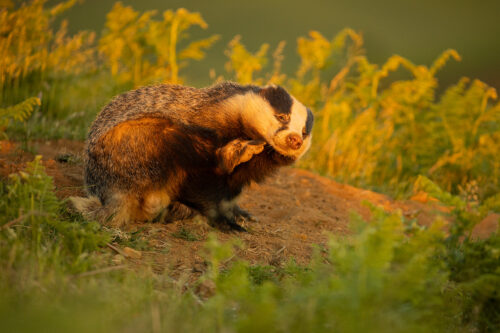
<point>251,148</point>
<point>238,151</point>
<point>242,214</point>
<point>226,224</point>
<point>236,227</point>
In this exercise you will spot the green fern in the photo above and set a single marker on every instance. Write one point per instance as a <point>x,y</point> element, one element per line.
<point>31,220</point>
<point>19,112</point>
<point>472,263</point>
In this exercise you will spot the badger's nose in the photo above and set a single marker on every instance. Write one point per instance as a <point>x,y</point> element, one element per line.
<point>294,141</point>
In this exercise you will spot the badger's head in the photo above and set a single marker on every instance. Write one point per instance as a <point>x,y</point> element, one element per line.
<point>281,120</point>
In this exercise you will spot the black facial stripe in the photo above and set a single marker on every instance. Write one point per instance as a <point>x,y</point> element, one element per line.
<point>282,128</point>
<point>279,99</point>
<point>309,121</point>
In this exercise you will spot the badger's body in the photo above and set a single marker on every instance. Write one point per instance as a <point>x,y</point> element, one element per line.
<point>166,147</point>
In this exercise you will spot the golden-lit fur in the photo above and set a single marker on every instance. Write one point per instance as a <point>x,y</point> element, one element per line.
<point>177,149</point>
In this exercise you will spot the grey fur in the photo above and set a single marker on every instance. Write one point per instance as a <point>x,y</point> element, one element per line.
<point>201,156</point>
<point>180,103</point>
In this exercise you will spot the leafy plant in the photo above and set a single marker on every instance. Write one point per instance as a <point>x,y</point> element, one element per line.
<point>185,234</point>
<point>30,50</point>
<point>31,227</point>
<point>473,263</point>
<point>37,59</point>
<point>141,50</point>
<point>18,112</point>
<point>29,45</point>
<point>387,273</point>
<point>372,132</point>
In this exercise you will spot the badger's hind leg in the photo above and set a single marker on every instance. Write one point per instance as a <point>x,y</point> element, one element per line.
<point>176,211</point>
<point>121,208</point>
<point>136,207</point>
<point>116,212</point>
<point>152,205</point>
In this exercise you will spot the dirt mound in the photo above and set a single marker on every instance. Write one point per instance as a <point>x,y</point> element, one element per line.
<point>295,208</point>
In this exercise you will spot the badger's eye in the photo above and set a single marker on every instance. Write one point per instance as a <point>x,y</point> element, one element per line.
<point>304,132</point>
<point>284,118</point>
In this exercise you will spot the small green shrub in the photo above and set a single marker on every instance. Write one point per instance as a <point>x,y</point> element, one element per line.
<point>32,228</point>
<point>472,263</point>
<point>185,234</point>
<point>19,112</point>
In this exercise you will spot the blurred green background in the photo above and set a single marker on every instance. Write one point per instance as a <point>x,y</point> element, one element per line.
<point>417,30</point>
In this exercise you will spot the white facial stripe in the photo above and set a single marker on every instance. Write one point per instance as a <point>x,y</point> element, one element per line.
<point>255,112</point>
<point>306,146</point>
<point>298,117</point>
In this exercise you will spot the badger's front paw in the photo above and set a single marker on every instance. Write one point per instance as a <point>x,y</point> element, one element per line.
<point>226,224</point>
<point>238,151</point>
<point>250,148</point>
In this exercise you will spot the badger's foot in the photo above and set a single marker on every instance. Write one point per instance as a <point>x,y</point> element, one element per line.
<point>243,215</point>
<point>238,151</point>
<point>226,224</point>
<point>233,226</point>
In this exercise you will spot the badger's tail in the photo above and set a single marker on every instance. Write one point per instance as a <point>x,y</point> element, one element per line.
<point>91,207</point>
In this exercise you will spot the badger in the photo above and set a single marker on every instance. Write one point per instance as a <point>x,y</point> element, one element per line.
<point>169,151</point>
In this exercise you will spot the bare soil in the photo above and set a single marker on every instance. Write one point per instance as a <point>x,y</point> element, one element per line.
<point>296,209</point>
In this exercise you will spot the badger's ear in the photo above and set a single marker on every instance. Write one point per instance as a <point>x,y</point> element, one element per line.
<point>278,97</point>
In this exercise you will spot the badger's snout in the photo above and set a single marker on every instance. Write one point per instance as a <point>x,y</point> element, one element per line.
<point>294,141</point>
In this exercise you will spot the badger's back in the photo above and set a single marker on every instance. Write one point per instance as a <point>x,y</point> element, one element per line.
<point>174,102</point>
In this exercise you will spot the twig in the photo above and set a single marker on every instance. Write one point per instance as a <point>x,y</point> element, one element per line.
<point>229,259</point>
<point>197,299</point>
<point>280,250</point>
<point>22,217</point>
<point>119,251</point>
<point>100,271</point>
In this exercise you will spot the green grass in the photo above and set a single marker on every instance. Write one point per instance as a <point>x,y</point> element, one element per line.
<point>185,234</point>
<point>390,273</point>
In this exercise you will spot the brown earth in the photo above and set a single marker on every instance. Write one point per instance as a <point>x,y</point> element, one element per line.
<point>296,209</point>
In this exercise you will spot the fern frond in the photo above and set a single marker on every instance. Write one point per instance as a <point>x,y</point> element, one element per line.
<point>18,112</point>
<point>443,59</point>
<point>195,50</point>
<point>244,63</point>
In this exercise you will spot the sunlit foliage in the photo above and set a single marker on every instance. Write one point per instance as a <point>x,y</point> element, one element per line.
<point>18,112</point>
<point>141,50</point>
<point>374,132</point>
<point>37,59</point>
<point>29,45</point>
<point>244,65</point>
